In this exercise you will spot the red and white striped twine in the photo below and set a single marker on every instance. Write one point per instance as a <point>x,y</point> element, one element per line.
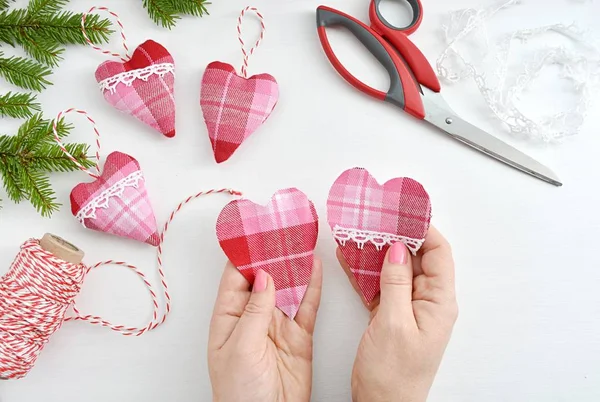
<point>38,290</point>
<point>249,53</point>
<point>55,122</point>
<point>121,27</point>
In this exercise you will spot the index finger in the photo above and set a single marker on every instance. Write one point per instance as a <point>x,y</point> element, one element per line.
<point>436,258</point>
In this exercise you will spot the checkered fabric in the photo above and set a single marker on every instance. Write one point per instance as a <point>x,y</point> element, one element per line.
<point>278,238</point>
<point>400,208</point>
<point>151,99</point>
<point>127,213</point>
<point>234,107</point>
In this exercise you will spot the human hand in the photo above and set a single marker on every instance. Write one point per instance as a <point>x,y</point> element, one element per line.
<point>411,323</point>
<point>255,352</point>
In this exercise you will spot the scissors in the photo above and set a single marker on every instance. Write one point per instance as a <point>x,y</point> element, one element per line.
<point>414,86</point>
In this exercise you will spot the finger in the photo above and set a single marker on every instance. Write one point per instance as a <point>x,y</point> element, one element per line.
<point>354,283</point>
<point>436,260</point>
<point>253,327</point>
<point>396,285</point>
<point>232,297</point>
<point>307,313</point>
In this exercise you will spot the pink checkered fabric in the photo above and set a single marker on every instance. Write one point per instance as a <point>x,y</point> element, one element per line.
<point>278,238</point>
<point>127,212</point>
<point>399,208</point>
<point>151,100</point>
<point>234,107</point>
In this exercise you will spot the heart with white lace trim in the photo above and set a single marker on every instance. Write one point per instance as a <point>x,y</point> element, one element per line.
<point>117,202</point>
<point>142,86</point>
<point>367,218</point>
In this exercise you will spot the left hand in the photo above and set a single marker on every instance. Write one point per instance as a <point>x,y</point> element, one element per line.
<point>255,352</point>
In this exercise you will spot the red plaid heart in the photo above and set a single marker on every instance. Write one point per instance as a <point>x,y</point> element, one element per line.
<point>278,238</point>
<point>142,86</point>
<point>234,107</point>
<point>366,218</point>
<point>117,202</point>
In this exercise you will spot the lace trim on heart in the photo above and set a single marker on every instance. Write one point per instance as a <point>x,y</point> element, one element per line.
<point>101,201</point>
<point>378,239</point>
<point>127,78</point>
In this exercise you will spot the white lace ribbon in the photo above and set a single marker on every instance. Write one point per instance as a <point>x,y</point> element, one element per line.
<point>101,201</point>
<point>128,77</point>
<point>378,239</point>
<point>470,53</point>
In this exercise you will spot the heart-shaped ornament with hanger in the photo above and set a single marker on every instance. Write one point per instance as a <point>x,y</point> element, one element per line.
<point>141,85</point>
<point>116,202</point>
<point>235,106</point>
<point>367,218</point>
<point>279,238</point>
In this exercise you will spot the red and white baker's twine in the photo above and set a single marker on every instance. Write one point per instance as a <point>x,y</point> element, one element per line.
<point>55,122</point>
<point>249,53</point>
<point>39,289</point>
<point>121,27</point>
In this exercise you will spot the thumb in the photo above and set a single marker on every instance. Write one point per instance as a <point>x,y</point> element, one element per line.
<point>253,326</point>
<point>396,283</point>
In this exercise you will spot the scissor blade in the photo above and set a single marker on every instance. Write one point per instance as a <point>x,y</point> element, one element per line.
<point>438,113</point>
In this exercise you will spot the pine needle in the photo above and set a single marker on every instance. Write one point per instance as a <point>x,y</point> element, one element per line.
<point>167,12</point>
<point>18,105</point>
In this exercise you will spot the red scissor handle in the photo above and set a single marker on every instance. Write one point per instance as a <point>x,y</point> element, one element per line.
<point>398,38</point>
<point>404,90</point>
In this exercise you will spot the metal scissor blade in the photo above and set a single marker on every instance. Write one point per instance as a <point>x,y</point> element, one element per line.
<point>438,113</point>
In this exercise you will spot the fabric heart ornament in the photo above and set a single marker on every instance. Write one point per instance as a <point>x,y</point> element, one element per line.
<point>278,238</point>
<point>117,201</point>
<point>234,107</point>
<point>142,86</point>
<point>367,218</point>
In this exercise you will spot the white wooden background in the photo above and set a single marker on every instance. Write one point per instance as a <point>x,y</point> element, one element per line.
<point>526,252</point>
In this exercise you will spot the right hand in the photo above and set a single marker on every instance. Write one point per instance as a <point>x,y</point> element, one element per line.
<point>411,323</point>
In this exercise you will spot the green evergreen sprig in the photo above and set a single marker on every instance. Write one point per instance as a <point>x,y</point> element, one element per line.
<point>18,105</point>
<point>42,29</point>
<point>27,157</point>
<point>167,12</point>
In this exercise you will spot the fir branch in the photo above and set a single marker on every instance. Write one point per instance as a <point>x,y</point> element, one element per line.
<point>24,73</point>
<point>42,29</point>
<point>161,12</point>
<point>27,157</point>
<point>18,105</point>
<point>190,7</point>
<point>166,12</point>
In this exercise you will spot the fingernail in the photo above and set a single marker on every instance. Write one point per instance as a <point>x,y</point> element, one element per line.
<point>398,254</point>
<point>260,281</point>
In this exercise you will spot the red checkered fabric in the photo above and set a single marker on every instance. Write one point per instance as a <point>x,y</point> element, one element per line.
<point>150,97</point>
<point>278,238</point>
<point>368,217</point>
<point>234,107</point>
<point>117,202</point>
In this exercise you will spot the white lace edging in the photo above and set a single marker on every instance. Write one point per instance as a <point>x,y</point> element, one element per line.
<point>378,239</point>
<point>127,78</point>
<point>116,190</point>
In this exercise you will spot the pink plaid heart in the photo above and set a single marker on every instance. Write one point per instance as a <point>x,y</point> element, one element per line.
<point>117,202</point>
<point>234,107</point>
<point>142,86</point>
<point>366,218</point>
<point>278,238</point>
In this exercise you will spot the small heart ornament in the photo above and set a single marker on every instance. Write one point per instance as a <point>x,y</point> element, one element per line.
<point>117,201</point>
<point>367,218</point>
<point>234,107</point>
<point>278,238</point>
<point>142,86</point>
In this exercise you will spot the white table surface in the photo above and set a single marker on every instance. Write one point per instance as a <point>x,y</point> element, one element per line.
<point>526,253</point>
